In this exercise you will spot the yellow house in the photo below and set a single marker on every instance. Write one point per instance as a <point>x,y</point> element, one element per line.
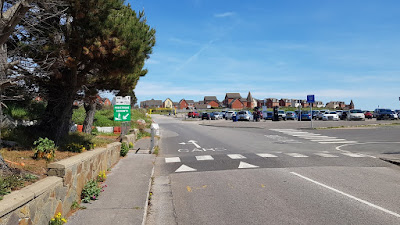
<point>168,103</point>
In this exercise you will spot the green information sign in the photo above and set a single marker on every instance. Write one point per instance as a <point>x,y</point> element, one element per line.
<point>122,113</point>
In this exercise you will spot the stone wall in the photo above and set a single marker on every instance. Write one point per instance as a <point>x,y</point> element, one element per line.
<point>39,202</point>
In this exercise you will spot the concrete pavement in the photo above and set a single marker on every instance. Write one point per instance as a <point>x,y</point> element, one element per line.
<point>125,199</point>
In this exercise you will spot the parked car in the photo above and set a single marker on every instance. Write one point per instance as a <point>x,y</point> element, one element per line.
<point>281,115</point>
<point>395,115</point>
<point>305,115</point>
<point>229,114</point>
<point>368,115</point>
<point>344,115</point>
<point>321,114</point>
<point>193,114</point>
<point>355,114</point>
<point>215,116</point>
<point>339,112</point>
<point>290,115</point>
<point>383,114</point>
<point>205,116</point>
<point>331,116</point>
<point>244,115</point>
<point>267,115</point>
<point>315,114</point>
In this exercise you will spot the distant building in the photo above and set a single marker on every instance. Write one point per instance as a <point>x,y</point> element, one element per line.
<point>211,100</point>
<point>284,102</point>
<point>272,102</point>
<point>148,104</point>
<point>168,103</point>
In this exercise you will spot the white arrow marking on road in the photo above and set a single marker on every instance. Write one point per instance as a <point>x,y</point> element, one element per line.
<point>185,168</point>
<point>182,143</point>
<point>194,143</point>
<point>244,165</point>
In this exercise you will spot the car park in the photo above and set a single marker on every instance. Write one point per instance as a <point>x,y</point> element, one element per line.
<point>331,116</point>
<point>281,115</point>
<point>223,114</point>
<point>321,114</point>
<point>395,115</point>
<point>343,116</point>
<point>355,114</point>
<point>229,114</point>
<point>215,116</point>
<point>383,114</point>
<point>205,116</point>
<point>267,115</point>
<point>314,114</point>
<point>305,115</point>
<point>339,112</point>
<point>368,115</point>
<point>244,115</point>
<point>290,115</point>
<point>193,114</point>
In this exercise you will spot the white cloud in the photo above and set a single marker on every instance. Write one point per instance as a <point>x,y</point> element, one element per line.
<point>225,14</point>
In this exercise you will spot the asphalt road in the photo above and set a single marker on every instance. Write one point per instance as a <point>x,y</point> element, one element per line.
<point>219,175</point>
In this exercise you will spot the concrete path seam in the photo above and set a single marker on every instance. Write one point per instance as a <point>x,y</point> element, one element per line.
<point>146,207</point>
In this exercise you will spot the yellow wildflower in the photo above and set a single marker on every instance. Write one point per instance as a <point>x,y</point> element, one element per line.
<point>64,220</point>
<point>52,219</point>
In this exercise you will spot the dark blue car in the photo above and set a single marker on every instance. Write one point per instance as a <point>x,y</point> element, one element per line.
<point>305,115</point>
<point>267,115</point>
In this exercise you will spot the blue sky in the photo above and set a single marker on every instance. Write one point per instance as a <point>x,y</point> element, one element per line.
<point>337,50</point>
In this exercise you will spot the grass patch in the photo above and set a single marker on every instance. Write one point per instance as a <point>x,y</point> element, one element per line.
<point>31,110</point>
<point>142,134</point>
<point>156,150</point>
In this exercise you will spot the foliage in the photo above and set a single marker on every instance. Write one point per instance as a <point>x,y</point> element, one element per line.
<point>142,134</point>
<point>124,149</point>
<point>57,220</point>
<point>130,145</point>
<point>78,142</point>
<point>76,205</point>
<point>9,183</point>
<point>44,148</point>
<point>156,150</point>
<point>102,176</point>
<point>91,191</point>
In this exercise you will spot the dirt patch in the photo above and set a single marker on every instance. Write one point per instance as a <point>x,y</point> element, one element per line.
<point>23,160</point>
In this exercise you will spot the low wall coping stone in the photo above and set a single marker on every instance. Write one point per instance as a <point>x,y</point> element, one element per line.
<point>71,161</point>
<point>18,198</point>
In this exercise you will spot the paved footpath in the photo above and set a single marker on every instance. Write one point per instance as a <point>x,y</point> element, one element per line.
<point>124,200</point>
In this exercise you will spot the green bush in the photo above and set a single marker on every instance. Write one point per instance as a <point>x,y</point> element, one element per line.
<point>91,191</point>
<point>44,148</point>
<point>78,142</point>
<point>143,134</point>
<point>124,149</point>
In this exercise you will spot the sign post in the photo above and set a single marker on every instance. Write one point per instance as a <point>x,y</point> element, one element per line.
<point>311,100</point>
<point>122,112</point>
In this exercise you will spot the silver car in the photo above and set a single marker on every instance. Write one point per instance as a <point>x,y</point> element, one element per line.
<point>229,114</point>
<point>244,115</point>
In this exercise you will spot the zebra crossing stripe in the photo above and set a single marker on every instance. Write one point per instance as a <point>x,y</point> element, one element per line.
<point>204,157</point>
<point>266,155</point>
<point>172,160</point>
<point>326,155</point>
<point>236,156</point>
<point>315,137</point>
<point>296,155</point>
<point>306,135</point>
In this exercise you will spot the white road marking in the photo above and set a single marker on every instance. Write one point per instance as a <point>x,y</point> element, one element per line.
<point>348,195</point>
<point>182,143</point>
<point>306,135</point>
<point>266,155</point>
<point>337,142</point>
<point>326,155</point>
<point>315,137</point>
<point>331,140</point>
<point>296,155</point>
<point>185,168</point>
<point>194,143</point>
<point>354,155</point>
<point>236,156</point>
<point>244,165</point>
<point>172,160</point>
<point>204,157</point>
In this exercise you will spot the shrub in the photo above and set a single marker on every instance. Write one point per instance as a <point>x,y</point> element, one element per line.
<point>124,149</point>
<point>44,148</point>
<point>130,145</point>
<point>58,220</point>
<point>90,191</point>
